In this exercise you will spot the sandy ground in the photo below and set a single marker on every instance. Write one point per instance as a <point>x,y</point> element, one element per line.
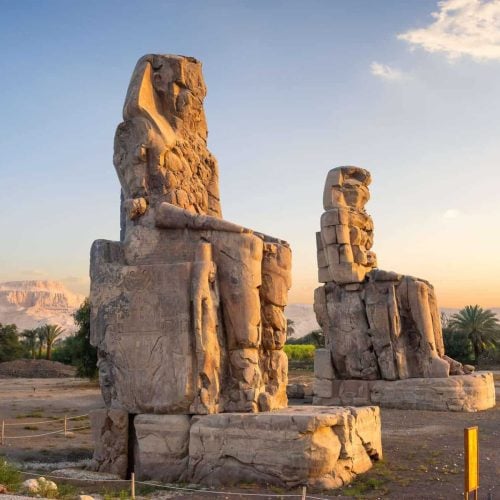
<point>423,451</point>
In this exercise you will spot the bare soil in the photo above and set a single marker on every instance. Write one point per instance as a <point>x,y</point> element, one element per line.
<point>423,450</point>
<point>35,368</point>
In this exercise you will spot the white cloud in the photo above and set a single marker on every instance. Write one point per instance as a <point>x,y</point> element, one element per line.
<point>386,72</point>
<point>461,28</point>
<point>451,213</point>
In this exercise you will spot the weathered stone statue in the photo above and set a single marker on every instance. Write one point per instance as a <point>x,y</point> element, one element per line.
<point>187,315</point>
<point>187,310</point>
<point>378,325</point>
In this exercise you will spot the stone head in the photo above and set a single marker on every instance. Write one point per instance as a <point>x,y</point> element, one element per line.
<point>171,88</point>
<point>346,187</point>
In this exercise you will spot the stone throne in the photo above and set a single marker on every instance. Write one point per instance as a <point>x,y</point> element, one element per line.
<point>378,325</point>
<point>187,309</point>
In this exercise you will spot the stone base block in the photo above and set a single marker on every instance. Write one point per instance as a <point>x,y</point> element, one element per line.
<point>110,431</point>
<point>161,447</point>
<point>468,393</point>
<point>319,447</point>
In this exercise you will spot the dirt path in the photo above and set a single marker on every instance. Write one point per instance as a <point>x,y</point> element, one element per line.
<point>423,450</point>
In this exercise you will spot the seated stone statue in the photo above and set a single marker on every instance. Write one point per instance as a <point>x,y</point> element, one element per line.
<point>377,324</point>
<point>187,309</point>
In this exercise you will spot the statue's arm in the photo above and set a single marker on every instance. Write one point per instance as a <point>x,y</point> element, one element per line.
<point>169,216</point>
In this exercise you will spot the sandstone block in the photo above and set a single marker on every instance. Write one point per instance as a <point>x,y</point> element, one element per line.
<point>323,447</point>
<point>323,367</point>
<point>468,393</point>
<point>110,431</point>
<point>161,447</point>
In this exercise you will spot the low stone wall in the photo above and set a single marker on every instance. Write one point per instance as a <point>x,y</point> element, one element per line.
<point>472,392</point>
<point>314,446</point>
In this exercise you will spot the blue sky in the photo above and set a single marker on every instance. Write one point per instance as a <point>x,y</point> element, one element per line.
<point>294,89</point>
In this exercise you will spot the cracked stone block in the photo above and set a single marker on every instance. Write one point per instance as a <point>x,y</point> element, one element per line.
<point>316,446</point>
<point>110,436</point>
<point>161,447</point>
<point>470,393</point>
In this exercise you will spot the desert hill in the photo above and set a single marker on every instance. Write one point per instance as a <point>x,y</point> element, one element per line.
<point>29,304</point>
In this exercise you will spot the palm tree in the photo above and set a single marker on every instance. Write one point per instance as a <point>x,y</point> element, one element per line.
<point>40,332</point>
<point>481,327</point>
<point>51,332</point>
<point>30,338</point>
<point>290,328</point>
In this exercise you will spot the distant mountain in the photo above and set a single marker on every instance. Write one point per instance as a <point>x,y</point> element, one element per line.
<point>305,320</point>
<point>29,304</point>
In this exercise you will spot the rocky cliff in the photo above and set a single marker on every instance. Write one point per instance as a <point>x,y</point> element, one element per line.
<point>29,304</point>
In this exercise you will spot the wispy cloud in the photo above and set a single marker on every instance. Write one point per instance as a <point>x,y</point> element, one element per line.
<point>461,28</point>
<point>451,213</point>
<point>386,72</point>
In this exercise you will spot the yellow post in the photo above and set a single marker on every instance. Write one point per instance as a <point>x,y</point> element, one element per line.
<point>132,485</point>
<point>65,426</point>
<point>471,462</point>
<point>304,492</point>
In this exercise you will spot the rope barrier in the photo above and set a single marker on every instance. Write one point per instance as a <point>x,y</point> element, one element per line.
<point>246,494</point>
<point>19,424</point>
<point>47,433</point>
<point>179,488</point>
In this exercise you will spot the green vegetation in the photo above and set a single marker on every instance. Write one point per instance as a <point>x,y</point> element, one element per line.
<point>9,476</point>
<point>45,342</point>
<point>50,334</point>
<point>10,347</point>
<point>299,352</point>
<point>471,334</point>
<point>76,349</point>
<point>315,338</point>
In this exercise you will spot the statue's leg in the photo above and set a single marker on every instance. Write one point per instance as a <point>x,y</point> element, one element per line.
<point>276,280</point>
<point>239,259</point>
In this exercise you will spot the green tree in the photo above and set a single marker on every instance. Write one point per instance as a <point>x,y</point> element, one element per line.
<point>480,326</point>
<point>290,328</point>
<point>76,349</point>
<point>10,347</point>
<point>40,332</point>
<point>315,338</point>
<point>30,341</point>
<point>50,334</point>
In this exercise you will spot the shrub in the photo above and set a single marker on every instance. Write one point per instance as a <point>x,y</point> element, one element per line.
<point>299,352</point>
<point>9,476</point>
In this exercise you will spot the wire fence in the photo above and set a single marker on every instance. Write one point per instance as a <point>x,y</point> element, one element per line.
<point>66,430</point>
<point>132,483</point>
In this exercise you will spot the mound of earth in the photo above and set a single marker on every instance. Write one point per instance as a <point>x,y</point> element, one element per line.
<point>35,368</point>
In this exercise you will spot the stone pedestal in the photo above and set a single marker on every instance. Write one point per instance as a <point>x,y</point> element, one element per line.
<point>318,447</point>
<point>473,392</point>
<point>110,433</point>
<point>314,446</point>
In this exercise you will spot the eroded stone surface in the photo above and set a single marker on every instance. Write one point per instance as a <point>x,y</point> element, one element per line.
<point>110,431</point>
<point>186,296</point>
<point>468,393</point>
<point>378,324</point>
<point>320,447</point>
<point>161,447</point>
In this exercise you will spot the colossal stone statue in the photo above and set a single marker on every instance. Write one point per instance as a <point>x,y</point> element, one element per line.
<point>188,319</point>
<point>378,325</point>
<point>187,309</point>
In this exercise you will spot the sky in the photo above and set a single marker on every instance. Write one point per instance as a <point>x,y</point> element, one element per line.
<point>406,89</point>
